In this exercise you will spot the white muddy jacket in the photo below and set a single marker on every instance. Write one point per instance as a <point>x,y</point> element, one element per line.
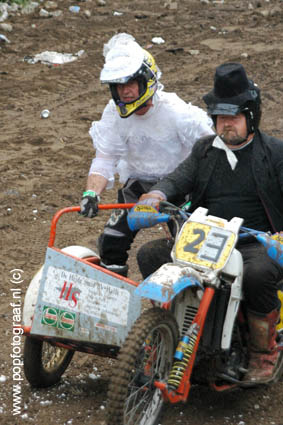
<point>147,146</point>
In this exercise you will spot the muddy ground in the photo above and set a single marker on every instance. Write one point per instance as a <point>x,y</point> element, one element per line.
<point>44,163</point>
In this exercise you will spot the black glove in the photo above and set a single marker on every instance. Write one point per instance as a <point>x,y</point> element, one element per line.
<point>89,204</point>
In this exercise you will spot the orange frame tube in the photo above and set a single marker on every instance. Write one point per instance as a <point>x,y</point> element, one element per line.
<point>77,209</point>
<point>182,392</point>
<point>52,237</point>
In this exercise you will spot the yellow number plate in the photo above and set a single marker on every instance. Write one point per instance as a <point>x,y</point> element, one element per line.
<point>145,208</point>
<point>204,245</point>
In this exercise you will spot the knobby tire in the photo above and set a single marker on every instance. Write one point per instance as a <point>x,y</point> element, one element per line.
<point>38,373</point>
<point>128,376</point>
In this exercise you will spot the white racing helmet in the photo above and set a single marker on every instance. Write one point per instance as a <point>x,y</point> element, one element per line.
<point>126,60</point>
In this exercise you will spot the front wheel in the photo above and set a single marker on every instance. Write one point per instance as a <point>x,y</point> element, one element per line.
<point>146,356</point>
<point>44,364</point>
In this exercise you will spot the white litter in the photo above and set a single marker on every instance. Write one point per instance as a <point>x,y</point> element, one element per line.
<point>54,58</point>
<point>158,40</point>
<point>44,13</point>
<point>74,9</point>
<point>4,38</point>
<point>3,12</point>
<point>45,113</point>
<point>45,402</point>
<point>93,376</point>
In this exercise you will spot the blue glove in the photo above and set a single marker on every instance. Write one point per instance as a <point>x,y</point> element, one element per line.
<point>89,204</point>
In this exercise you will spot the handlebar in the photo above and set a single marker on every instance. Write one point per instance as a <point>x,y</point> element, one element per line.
<point>167,211</point>
<point>173,210</point>
<point>77,209</point>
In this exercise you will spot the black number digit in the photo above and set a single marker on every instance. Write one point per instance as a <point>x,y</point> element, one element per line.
<point>192,246</point>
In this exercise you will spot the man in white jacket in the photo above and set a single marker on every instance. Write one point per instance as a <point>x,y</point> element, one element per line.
<point>143,134</point>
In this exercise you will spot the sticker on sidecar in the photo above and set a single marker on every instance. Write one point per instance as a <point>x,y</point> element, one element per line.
<point>84,295</point>
<point>61,319</point>
<point>103,307</point>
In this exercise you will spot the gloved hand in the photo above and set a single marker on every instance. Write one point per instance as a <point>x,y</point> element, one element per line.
<point>89,204</point>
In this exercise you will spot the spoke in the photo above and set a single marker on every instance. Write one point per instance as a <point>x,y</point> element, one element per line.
<point>52,355</point>
<point>136,400</point>
<point>142,400</point>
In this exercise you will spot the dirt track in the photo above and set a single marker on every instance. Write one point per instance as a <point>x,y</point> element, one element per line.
<point>44,163</point>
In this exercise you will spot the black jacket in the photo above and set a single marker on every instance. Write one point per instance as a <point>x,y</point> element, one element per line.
<point>192,175</point>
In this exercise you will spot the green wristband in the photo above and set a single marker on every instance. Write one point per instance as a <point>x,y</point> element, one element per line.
<point>89,193</point>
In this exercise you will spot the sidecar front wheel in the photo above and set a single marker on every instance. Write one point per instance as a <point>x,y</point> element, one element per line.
<point>44,364</point>
<point>146,356</point>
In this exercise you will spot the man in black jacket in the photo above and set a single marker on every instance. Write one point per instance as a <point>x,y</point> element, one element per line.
<point>239,173</point>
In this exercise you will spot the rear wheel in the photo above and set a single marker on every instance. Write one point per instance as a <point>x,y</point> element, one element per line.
<point>146,356</point>
<point>44,364</point>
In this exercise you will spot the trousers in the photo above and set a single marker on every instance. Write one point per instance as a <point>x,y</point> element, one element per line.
<point>262,277</point>
<point>116,239</point>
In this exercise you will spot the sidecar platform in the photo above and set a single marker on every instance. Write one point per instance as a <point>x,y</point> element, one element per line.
<point>82,306</point>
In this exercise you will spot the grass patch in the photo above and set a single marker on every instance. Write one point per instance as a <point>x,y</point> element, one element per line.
<point>19,2</point>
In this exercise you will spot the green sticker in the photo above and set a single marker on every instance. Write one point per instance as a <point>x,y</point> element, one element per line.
<point>67,320</point>
<point>50,316</point>
<point>60,319</point>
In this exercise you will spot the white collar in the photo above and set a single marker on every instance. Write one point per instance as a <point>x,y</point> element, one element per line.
<point>231,157</point>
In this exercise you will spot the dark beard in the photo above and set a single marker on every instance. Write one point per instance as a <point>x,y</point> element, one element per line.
<point>234,141</point>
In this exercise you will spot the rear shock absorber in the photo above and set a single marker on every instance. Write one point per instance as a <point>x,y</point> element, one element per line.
<point>182,356</point>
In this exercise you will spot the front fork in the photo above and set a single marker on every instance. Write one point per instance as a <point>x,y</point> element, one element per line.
<point>181,370</point>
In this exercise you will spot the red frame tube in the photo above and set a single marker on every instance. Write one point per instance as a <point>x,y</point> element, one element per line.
<point>77,209</point>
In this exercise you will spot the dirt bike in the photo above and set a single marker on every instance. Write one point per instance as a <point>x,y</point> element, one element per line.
<point>73,304</point>
<point>196,332</point>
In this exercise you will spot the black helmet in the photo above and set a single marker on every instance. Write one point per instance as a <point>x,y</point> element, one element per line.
<point>234,93</point>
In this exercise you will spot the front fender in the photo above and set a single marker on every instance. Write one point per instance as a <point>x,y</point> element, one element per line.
<point>170,279</point>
